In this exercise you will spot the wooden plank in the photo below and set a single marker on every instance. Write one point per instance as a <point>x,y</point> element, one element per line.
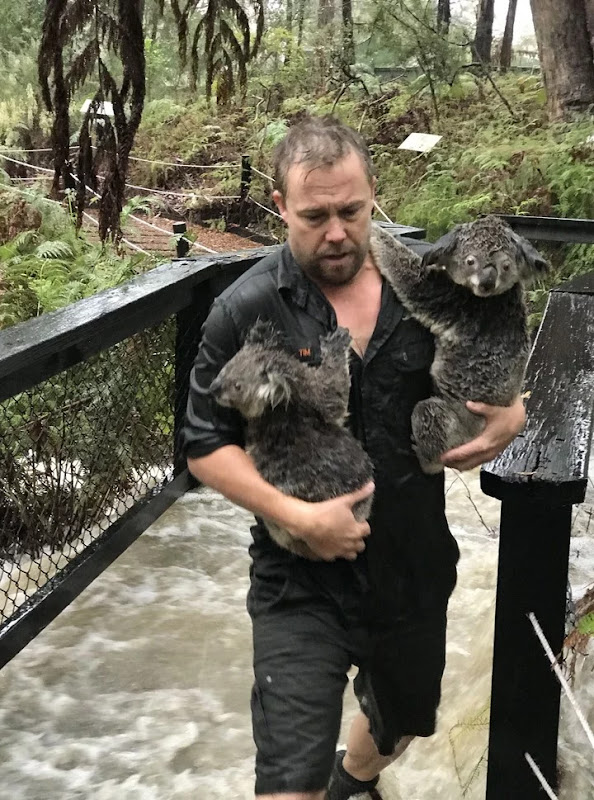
<point>583,284</point>
<point>39,348</point>
<point>549,460</point>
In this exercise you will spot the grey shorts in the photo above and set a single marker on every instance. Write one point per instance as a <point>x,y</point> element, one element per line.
<point>305,641</point>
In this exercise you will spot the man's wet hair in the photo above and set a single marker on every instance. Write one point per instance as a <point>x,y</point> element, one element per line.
<point>318,142</point>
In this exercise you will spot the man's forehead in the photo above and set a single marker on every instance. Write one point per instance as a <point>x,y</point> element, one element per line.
<point>347,176</point>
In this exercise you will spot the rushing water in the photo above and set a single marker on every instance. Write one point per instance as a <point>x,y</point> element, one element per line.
<point>140,689</point>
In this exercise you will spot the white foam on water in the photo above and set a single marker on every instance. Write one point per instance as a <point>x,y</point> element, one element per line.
<point>140,689</point>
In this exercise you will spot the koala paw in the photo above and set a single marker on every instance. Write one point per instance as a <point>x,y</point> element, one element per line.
<point>336,342</point>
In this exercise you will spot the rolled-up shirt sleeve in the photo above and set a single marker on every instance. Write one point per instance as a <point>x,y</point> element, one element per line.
<point>208,426</point>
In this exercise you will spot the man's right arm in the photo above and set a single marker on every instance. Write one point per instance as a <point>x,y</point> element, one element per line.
<point>329,527</point>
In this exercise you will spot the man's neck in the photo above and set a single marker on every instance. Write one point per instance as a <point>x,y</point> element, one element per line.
<point>357,304</point>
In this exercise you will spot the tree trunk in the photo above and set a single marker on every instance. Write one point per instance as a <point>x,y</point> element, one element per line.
<point>565,52</point>
<point>289,18</point>
<point>348,44</point>
<point>300,19</point>
<point>481,47</point>
<point>325,12</point>
<point>590,20</point>
<point>508,36</point>
<point>443,16</point>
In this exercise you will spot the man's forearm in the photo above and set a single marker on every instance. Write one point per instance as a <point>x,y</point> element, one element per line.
<point>329,527</point>
<point>231,472</point>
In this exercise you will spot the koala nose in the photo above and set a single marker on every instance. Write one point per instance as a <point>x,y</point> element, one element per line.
<point>488,279</point>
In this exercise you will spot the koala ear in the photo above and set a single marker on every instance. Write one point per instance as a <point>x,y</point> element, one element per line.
<point>263,332</point>
<point>535,264</point>
<point>438,255</point>
<point>276,391</point>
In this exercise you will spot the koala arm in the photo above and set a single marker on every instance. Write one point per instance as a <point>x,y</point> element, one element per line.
<point>332,380</point>
<point>503,424</point>
<point>329,527</point>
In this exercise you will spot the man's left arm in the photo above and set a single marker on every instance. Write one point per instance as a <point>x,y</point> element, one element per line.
<point>503,423</point>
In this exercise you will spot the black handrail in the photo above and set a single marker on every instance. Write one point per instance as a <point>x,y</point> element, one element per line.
<point>538,479</point>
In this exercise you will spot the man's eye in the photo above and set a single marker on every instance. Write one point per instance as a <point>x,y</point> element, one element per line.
<point>349,213</point>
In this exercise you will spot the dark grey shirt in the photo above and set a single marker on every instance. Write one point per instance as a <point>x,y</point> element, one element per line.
<point>409,532</point>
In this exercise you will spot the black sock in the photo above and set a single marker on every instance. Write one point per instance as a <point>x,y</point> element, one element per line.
<point>342,785</point>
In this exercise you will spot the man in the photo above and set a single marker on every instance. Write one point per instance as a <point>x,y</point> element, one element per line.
<point>379,600</point>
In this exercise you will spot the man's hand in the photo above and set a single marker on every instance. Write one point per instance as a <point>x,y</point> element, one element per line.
<point>329,527</point>
<point>503,423</point>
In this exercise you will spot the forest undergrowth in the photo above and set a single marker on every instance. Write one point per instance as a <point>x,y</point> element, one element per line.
<point>498,154</point>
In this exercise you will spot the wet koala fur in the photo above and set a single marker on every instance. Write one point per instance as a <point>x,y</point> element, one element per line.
<point>468,290</point>
<point>295,418</point>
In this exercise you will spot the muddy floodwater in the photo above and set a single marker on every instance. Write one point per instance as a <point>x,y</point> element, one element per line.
<point>140,689</point>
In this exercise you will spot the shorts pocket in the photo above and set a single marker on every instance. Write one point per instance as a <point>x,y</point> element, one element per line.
<point>266,593</point>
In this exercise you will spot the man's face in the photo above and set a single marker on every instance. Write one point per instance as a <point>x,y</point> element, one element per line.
<point>328,215</point>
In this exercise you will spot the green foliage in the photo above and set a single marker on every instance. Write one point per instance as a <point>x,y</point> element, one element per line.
<point>586,624</point>
<point>47,268</point>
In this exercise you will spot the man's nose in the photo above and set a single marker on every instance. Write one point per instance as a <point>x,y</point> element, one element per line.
<point>335,231</point>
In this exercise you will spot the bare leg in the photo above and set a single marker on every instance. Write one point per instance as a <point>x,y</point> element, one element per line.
<point>362,759</point>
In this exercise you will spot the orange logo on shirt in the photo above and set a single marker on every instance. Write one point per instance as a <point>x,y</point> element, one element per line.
<point>305,352</point>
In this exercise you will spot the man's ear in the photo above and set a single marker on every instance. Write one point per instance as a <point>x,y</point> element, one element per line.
<point>438,256</point>
<point>280,203</point>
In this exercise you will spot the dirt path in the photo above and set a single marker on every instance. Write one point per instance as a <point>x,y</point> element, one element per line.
<point>163,242</point>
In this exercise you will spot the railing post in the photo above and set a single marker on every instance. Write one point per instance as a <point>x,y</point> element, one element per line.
<point>538,479</point>
<point>189,321</point>
<point>182,245</point>
<point>244,190</point>
<point>525,696</point>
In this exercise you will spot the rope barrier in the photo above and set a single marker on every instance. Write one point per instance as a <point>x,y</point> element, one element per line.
<point>188,166</point>
<point>263,174</point>
<point>126,241</point>
<point>186,194</point>
<point>38,150</point>
<point>561,678</point>
<point>144,221</point>
<point>270,211</point>
<point>26,164</point>
<point>540,776</point>
<point>382,212</point>
<point>8,188</point>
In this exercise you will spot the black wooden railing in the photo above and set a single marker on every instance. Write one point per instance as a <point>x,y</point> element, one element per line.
<point>115,333</point>
<point>538,479</point>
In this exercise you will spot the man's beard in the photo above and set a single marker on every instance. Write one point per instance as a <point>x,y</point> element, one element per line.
<point>322,271</point>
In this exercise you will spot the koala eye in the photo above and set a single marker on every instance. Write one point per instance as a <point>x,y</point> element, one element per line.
<point>471,261</point>
<point>237,386</point>
<point>505,266</point>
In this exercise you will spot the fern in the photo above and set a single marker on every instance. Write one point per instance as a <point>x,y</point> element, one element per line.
<point>54,250</point>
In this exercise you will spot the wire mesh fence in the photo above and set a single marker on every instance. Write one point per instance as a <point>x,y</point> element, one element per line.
<point>78,451</point>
